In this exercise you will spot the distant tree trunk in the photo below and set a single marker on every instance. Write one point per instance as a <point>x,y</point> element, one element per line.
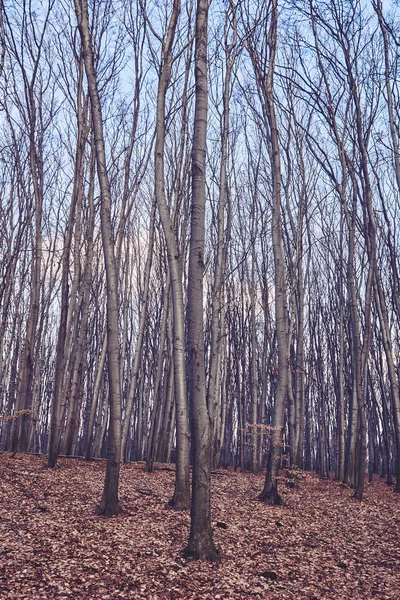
<point>201,545</point>
<point>394,385</point>
<point>298,453</point>
<point>386,437</point>
<point>217,299</point>
<point>89,444</point>
<point>77,374</point>
<point>340,377</point>
<point>155,414</point>
<point>109,504</point>
<point>71,337</point>
<point>140,336</point>
<point>167,425</point>
<point>54,431</point>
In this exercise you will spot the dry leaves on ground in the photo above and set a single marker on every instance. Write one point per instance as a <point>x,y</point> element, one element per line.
<point>322,544</point>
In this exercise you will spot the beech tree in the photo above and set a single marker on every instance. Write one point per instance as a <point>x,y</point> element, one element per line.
<point>201,545</point>
<point>109,504</point>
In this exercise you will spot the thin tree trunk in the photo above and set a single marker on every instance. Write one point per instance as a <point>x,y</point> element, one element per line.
<point>155,415</point>
<point>217,296</point>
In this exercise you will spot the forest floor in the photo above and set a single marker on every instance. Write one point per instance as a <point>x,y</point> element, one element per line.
<point>322,544</point>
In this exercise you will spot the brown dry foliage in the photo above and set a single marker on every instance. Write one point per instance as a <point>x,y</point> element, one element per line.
<point>322,544</point>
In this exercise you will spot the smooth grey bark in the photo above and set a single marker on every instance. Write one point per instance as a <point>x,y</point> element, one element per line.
<point>383,313</point>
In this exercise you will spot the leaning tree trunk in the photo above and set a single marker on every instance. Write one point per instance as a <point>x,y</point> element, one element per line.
<point>201,545</point>
<point>109,504</point>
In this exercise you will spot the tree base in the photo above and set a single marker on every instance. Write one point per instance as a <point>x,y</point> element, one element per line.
<point>358,494</point>
<point>108,510</point>
<point>179,504</point>
<point>201,551</point>
<point>271,498</point>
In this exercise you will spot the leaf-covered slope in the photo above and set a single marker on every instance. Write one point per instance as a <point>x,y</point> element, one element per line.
<point>322,544</point>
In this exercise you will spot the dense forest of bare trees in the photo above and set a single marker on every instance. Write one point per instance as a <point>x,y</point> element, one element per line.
<point>199,258</point>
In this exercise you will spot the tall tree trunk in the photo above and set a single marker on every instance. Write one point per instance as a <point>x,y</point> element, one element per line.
<point>270,492</point>
<point>181,498</point>
<point>157,406</point>
<point>54,431</point>
<point>201,545</point>
<point>109,504</point>
<point>89,444</point>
